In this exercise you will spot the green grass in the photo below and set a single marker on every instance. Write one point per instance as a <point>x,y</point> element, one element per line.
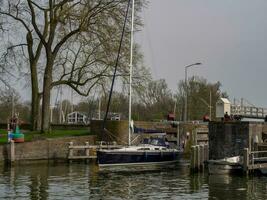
<point>36,135</point>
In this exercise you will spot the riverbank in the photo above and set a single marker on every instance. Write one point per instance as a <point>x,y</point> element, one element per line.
<point>30,136</point>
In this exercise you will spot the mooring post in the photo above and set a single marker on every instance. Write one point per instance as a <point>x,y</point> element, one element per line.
<point>198,157</point>
<point>12,152</point>
<point>87,151</point>
<point>193,158</point>
<point>202,155</point>
<point>246,160</point>
<point>70,151</point>
<point>206,152</point>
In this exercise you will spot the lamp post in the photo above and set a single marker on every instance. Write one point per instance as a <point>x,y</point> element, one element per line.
<point>185,107</point>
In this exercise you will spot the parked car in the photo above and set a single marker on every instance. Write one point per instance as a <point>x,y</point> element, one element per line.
<point>115,116</point>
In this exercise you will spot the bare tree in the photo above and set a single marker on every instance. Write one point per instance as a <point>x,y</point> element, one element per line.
<point>71,42</point>
<point>155,100</point>
<point>198,91</point>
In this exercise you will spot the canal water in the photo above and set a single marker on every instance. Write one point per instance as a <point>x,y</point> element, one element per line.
<point>86,181</point>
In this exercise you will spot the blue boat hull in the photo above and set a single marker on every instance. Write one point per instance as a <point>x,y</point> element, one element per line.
<point>135,158</point>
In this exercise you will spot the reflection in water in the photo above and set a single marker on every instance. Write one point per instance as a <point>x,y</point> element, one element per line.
<point>237,187</point>
<point>81,181</point>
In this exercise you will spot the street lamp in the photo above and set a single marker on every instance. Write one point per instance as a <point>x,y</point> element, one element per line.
<point>185,106</point>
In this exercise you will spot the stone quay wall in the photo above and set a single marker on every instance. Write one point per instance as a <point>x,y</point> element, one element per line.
<point>47,149</point>
<point>228,139</point>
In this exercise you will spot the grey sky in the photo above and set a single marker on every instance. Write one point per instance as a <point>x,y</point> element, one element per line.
<point>228,36</point>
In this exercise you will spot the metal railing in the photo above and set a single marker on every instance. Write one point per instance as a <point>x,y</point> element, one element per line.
<point>248,111</point>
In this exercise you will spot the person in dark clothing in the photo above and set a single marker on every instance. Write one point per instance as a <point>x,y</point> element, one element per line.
<point>206,118</point>
<point>226,117</point>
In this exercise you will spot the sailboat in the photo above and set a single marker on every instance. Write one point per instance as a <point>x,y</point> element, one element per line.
<point>153,150</point>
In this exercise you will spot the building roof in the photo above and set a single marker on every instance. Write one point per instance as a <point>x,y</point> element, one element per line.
<point>81,113</point>
<point>224,100</point>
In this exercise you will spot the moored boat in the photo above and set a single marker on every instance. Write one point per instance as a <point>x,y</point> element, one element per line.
<point>137,155</point>
<point>225,166</point>
<point>155,152</point>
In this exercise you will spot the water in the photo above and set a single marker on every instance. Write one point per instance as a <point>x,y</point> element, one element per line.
<point>81,181</point>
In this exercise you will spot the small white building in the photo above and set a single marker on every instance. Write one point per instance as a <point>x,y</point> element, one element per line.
<point>223,105</point>
<point>77,118</point>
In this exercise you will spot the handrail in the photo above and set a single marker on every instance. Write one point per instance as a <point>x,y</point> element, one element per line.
<point>254,152</point>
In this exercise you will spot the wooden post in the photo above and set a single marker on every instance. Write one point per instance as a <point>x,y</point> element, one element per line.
<point>206,152</point>
<point>87,152</point>
<point>202,155</point>
<point>246,160</point>
<point>70,151</point>
<point>12,152</point>
<point>198,157</point>
<point>194,133</point>
<point>193,158</point>
<point>178,136</point>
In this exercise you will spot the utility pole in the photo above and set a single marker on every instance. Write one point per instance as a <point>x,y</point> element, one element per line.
<point>12,106</point>
<point>210,105</point>
<point>60,106</point>
<point>99,108</point>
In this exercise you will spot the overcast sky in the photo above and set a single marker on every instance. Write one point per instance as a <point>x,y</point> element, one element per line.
<point>228,36</point>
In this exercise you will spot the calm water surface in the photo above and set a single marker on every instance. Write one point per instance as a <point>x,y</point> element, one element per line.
<point>81,181</point>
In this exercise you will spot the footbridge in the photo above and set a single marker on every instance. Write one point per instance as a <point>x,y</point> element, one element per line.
<point>238,110</point>
<point>248,111</point>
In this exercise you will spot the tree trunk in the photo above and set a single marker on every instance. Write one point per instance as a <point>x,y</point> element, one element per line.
<point>35,99</point>
<point>35,110</point>
<point>45,127</point>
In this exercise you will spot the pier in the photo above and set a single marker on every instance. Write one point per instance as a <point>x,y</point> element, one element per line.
<point>254,160</point>
<point>87,151</point>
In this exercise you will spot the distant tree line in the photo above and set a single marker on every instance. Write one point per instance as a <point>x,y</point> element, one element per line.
<point>150,103</point>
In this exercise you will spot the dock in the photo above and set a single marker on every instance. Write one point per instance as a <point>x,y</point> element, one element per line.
<point>254,160</point>
<point>87,151</point>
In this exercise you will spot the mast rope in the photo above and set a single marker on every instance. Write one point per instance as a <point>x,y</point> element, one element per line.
<point>116,66</point>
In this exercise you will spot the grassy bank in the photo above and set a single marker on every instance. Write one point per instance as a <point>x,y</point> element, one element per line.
<point>34,135</point>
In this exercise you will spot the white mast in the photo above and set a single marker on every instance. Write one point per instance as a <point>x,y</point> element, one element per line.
<point>130,77</point>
